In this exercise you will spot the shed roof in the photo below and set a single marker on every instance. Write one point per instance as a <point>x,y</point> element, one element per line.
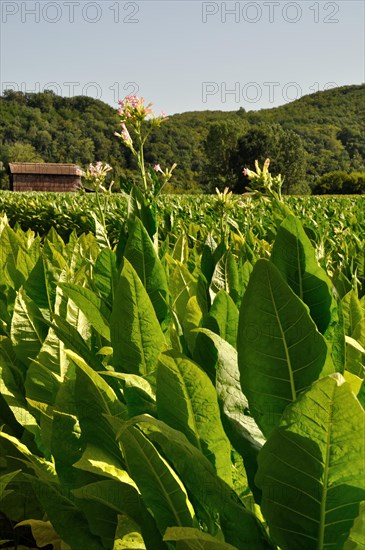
<point>43,168</point>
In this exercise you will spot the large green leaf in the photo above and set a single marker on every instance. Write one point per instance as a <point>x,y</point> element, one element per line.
<point>74,316</point>
<point>244,273</point>
<point>312,471</point>
<point>19,421</point>
<point>138,393</point>
<point>28,329</point>
<point>14,408</point>
<point>101,233</point>
<point>294,256</point>
<point>140,252</point>
<point>43,534</point>
<point>195,412</point>
<point>73,340</point>
<point>208,259</point>
<point>223,317</point>
<point>191,320</point>
<point>162,491</point>
<point>69,522</point>
<point>136,336</point>
<point>181,249</point>
<point>7,416</point>
<point>122,498</point>
<point>66,446</point>
<point>7,299</point>
<point>13,371</point>
<point>240,427</point>
<point>105,276</point>
<point>19,501</point>
<point>121,495</point>
<point>352,312</point>
<point>280,351</point>
<point>10,272</point>
<point>47,370</point>
<point>208,491</point>
<point>94,398</point>
<point>140,208</point>
<point>97,461</point>
<point>52,355</point>
<point>361,394</point>
<point>91,305</point>
<point>40,285</point>
<point>225,277</point>
<point>67,443</point>
<point>18,453</point>
<point>183,287</point>
<point>85,251</point>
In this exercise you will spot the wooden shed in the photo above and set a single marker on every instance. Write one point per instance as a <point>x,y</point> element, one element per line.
<point>35,176</point>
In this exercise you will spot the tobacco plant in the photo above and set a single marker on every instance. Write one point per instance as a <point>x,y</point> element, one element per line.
<point>202,394</point>
<point>201,400</point>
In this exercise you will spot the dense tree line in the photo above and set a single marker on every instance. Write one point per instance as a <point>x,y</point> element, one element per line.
<point>305,139</point>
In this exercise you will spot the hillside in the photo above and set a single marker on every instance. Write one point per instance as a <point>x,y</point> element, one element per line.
<point>210,147</point>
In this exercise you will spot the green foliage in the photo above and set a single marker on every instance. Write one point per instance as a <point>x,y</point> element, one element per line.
<point>284,146</point>
<point>220,142</point>
<point>321,439</point>
<point>305,139</point>
<point>333,224</point>
<point>128,418</point>
<point>275,354</point>
<point>341,183</point>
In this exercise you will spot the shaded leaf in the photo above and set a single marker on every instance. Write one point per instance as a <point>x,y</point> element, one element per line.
<point>195,412</point>
<point>311,469</point>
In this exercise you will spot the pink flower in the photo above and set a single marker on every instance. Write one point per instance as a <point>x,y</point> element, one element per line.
<point>99,170</point>
<point>133,107</point>
<point>157,168</point>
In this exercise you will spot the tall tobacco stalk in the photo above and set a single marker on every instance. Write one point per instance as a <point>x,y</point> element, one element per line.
<point>94,180</point>
<point>137,121</point>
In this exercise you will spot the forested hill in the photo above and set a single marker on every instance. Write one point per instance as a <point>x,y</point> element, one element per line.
<point>305,139</point>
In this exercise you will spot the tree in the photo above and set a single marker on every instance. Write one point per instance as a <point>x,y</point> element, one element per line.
<point>204,144</point>
<point>283,147</point>
<point>15,152</point>
<point>22,152</point>
<point>221,141</point>
<point>340,182</point>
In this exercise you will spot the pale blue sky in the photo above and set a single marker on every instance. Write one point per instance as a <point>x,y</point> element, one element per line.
<point>183,55</point>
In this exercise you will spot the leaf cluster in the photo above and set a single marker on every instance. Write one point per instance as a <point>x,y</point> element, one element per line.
<point>191,394</point>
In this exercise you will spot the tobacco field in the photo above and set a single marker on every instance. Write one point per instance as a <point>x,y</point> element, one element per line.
<point>187,380</point>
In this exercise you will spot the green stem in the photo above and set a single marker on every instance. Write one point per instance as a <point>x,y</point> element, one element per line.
<point>223,235</point>
<point>140,159</point>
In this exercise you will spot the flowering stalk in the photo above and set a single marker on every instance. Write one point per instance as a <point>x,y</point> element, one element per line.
<point>263,179</point>
<point>94,180</point>
<point>134,112</point>
<point>225,201</point>
<point>165,176</point>
<point>94,177</point>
